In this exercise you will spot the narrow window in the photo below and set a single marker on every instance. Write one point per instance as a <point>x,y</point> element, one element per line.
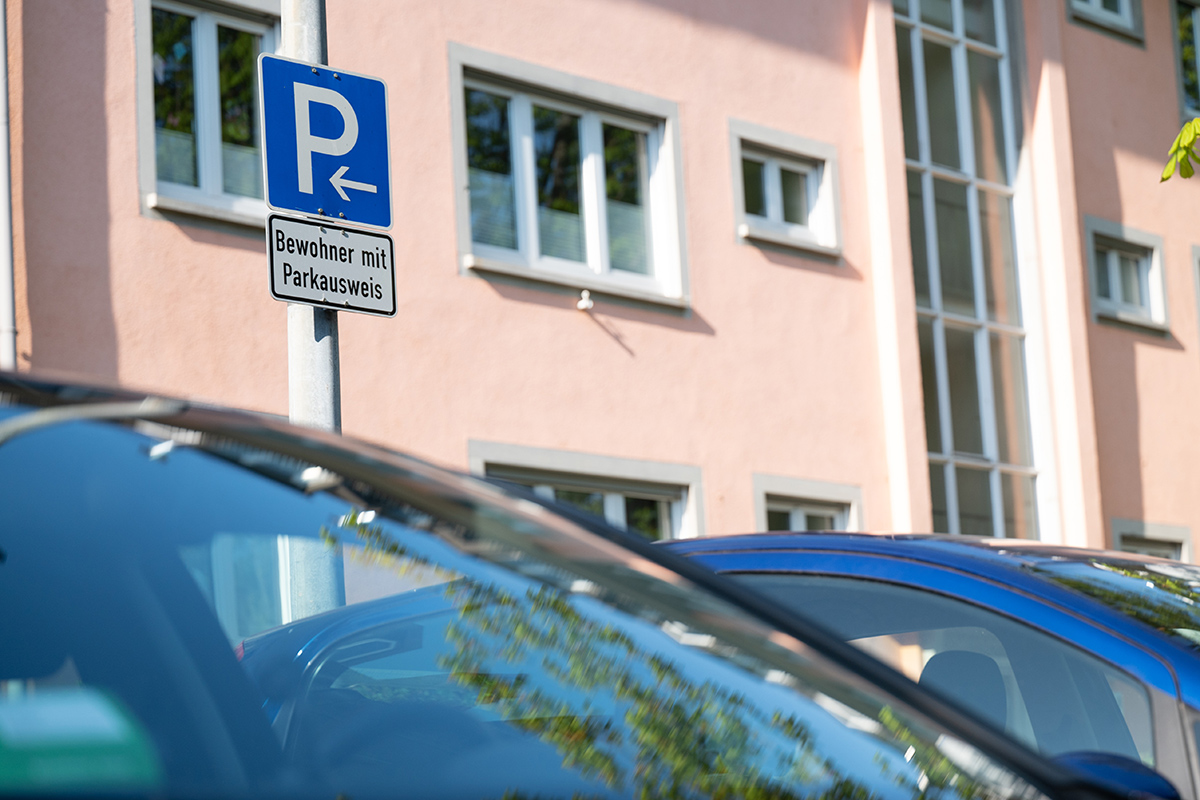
<point>788,189</point>
<point>969,324</point>
<point>1127,282</point>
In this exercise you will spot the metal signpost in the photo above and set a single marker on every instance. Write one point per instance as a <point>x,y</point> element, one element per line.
<point>325,156</point>
<point>326,162</point>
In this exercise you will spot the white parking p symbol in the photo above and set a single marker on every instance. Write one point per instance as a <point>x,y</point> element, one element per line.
<point>307,144</point>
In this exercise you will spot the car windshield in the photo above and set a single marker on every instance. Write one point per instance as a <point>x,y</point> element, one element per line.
<point>186,613</point>
<point>1162,594</point>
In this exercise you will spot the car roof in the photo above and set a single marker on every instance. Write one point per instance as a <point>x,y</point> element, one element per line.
<point>1022,565</point>
<point>964,552</point>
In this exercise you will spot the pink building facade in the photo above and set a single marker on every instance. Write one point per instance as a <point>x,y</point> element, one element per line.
<point>874,265</point>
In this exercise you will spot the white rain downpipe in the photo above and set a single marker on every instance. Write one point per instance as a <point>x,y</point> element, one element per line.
<point>8,298</point>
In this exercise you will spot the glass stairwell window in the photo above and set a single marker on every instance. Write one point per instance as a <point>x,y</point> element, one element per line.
<point>956,113</point>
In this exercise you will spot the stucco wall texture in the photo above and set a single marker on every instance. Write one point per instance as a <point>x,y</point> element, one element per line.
<point>774,368</point>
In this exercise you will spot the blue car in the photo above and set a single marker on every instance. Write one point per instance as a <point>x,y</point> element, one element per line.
<point>1067,650</point>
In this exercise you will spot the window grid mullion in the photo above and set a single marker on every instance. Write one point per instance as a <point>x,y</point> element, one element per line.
<point>976,247</point>
<point>956,176</point>
<point>972,322</point>
<point>962,102</point>
<point>658,201</point>
<point>1143,274</point>
<point>951,479</point>
<point>644,188</point>
<point>592,192</point>
<point>614,509</point>
<point>208,104</point>
<point>773,190</point>
<point>995,484</point>
<point>524,171</point>
<point>987,397</point>
<point>1113,264</point>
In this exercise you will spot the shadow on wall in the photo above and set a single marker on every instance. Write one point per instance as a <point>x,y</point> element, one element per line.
<point>65,186</point>
<point>808,32</point>
<point>1114,354</point>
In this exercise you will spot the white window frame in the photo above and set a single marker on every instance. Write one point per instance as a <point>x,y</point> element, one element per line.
<point>680,485</point>
<point>817,160</point>
<point>545,485</point>
<point>799,510</point>
<point>596,103</point>
<point>782,492</point>
<point>1125,531</point>
<point>1189,109</point>
<point>208,199</point>
<point>1127,21</point>
<point>1115,239</point>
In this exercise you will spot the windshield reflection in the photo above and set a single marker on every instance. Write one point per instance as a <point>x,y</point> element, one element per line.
<point>377,628</point>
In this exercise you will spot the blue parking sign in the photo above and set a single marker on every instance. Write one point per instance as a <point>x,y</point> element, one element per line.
<point>325,142</point>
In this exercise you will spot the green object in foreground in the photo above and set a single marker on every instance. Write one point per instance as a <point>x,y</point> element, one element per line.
<point>77,737</point>
<point>1182,154</point>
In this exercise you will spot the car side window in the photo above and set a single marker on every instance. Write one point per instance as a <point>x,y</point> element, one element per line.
<point>1041,690</point>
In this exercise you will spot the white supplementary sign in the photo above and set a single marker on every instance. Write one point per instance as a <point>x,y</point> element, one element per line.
<point>343,269</point>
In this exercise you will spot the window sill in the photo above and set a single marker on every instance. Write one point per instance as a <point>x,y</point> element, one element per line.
<point>1131,319</point>
<point>597,285</point>
<point>1108,24</point>
<point>161,202</point>
<point>759,233</point>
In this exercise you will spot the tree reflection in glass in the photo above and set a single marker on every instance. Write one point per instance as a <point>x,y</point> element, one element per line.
<point>557,156</point>
<point>237,55</point>
<point>174,98</point>
<point>633,702</point>
<point>489,168</point>
<point>624,152</point>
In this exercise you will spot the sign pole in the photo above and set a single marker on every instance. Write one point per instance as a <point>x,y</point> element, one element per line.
<point>314,374</point>
<point>310,574</point>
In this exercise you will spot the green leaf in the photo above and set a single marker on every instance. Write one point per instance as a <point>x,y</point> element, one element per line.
<point>1186,170</point>
<point>1168,170</point>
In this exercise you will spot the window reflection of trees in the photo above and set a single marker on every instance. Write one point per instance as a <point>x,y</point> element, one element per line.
<point>633,718</point>
<point>1162,601</point>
